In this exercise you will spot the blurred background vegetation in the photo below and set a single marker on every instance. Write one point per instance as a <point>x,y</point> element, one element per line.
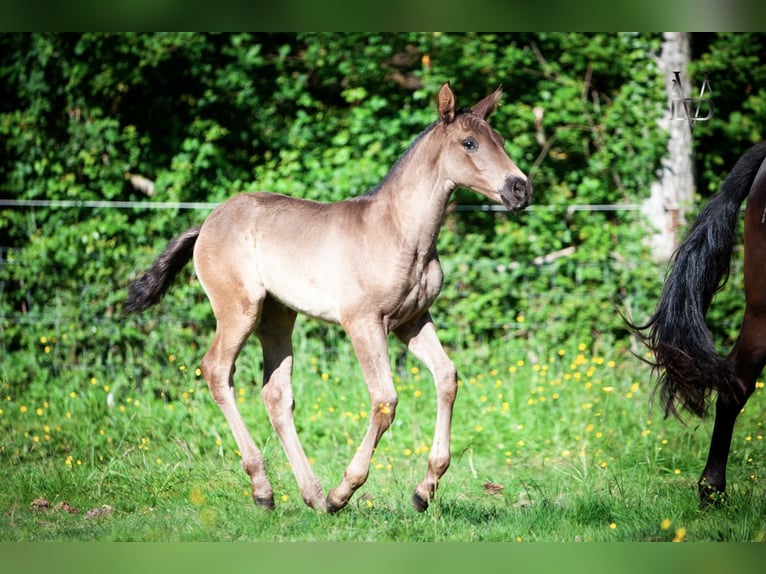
<point>99,130</point>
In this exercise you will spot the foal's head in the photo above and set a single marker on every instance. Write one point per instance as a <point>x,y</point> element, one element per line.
<point>473,155</point>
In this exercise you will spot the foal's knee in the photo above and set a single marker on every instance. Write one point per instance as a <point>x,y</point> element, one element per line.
<point>384,410</point>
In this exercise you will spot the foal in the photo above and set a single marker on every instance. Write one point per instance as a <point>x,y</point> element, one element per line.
<point>368,263</point>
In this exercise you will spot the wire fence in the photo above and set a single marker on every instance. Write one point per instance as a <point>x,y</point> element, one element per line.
<point>51,316</point>
<point>198,205</point>
<point>528,278</point>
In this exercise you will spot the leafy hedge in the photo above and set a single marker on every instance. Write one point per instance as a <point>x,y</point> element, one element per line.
<point>323,116</point>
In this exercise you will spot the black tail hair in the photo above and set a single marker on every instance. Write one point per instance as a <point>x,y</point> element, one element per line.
<point>149,288</point>
<point>686,360</point>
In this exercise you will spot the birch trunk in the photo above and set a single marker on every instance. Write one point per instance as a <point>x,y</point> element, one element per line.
<point>672,195</point>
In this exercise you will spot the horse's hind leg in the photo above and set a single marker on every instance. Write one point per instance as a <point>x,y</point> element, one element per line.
<point>420,337</point>
<point>274,331</point>
<point>748,357</point>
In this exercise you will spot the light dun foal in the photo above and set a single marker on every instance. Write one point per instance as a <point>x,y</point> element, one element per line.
<point>368,263</point>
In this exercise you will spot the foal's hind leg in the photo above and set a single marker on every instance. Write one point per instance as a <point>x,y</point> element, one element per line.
<point>274,332</point>
<point>235,322</point>
<point>420,337</point>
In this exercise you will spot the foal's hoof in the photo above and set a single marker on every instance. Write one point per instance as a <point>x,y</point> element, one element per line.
<point>266,503</point>
<point>420,503</point>
<point>333,508</point>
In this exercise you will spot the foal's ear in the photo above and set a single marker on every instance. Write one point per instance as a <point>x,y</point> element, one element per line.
<point>446,103</point>
<point>485,107</point>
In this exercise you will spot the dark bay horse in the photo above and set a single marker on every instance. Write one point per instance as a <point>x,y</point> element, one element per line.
<point>368,263</point>
<point>688,364</point>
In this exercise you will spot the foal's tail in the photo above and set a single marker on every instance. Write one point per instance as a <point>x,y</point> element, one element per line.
<point>688,364</point>
<point>151,286</point>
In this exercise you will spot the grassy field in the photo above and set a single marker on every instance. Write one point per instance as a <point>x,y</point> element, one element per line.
<point>550,444</point>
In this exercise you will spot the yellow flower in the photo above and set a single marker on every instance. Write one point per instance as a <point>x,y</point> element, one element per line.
<point>613,526</point>
<point>680,534</point>
<point>196,496</point>
<point>665,524</point>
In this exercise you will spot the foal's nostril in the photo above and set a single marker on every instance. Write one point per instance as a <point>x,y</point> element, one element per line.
<point>520,189</point>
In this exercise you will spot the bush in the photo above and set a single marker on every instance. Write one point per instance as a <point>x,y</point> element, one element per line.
<point>323,116</point>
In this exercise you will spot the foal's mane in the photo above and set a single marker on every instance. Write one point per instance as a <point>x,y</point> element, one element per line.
<point>420,136</point>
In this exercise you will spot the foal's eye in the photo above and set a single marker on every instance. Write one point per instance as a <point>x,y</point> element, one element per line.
<point>470,144</point>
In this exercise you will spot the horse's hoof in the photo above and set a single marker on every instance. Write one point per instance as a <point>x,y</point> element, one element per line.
<point>266,502</point>
<point>710,496</point>
<point>420,504</point>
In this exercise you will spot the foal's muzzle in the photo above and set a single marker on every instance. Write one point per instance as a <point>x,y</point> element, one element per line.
<point>516,193</point>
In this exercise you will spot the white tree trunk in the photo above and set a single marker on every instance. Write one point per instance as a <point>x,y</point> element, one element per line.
<point>673,194</point>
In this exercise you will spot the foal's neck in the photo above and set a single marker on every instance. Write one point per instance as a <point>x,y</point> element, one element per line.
<point>414,196</point>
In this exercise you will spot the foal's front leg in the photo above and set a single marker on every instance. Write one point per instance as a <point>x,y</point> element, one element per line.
<point>420,337</point>
<point>370,345</point>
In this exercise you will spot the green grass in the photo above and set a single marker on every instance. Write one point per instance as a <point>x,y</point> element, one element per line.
<point>549,444</point>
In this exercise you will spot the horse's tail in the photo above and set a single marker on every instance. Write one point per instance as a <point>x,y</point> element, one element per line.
<point>688,364</point>
<point>149,288</point>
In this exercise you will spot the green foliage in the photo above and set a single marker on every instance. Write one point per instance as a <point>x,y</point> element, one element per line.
<point>324,116</point>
